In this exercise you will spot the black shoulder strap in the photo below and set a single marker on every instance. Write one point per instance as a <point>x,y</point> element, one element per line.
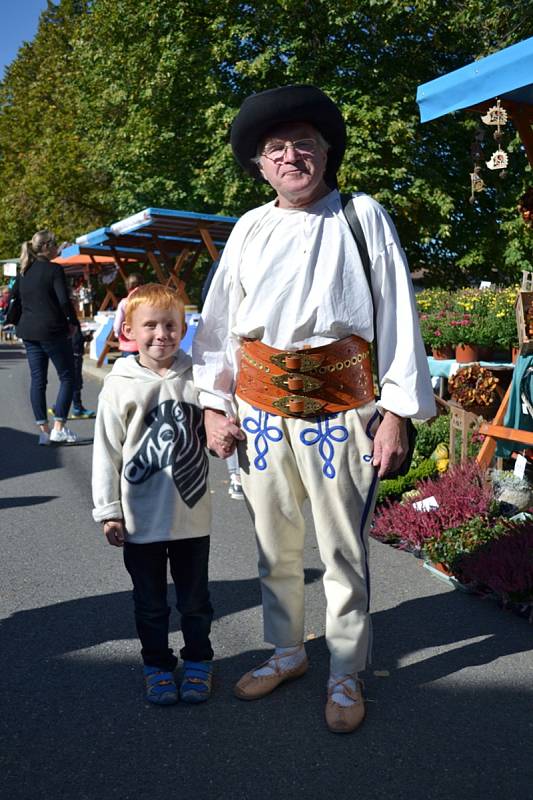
<point>355,226</point>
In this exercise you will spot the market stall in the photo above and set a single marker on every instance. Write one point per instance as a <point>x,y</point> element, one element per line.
<point>498,87</point>
<point>169,242</point>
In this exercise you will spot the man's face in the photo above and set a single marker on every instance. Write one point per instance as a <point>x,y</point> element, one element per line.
<point>158,333</point>
<point>295,173</point>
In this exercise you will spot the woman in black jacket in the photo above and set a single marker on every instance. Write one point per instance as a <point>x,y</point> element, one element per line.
<point>46,322</point>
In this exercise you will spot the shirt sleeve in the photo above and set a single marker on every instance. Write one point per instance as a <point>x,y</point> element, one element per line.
<point>215,349</point>
<point>109,436</point>
<point>403,368</point>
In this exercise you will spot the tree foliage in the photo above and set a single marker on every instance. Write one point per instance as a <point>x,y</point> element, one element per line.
<point>121,104</point>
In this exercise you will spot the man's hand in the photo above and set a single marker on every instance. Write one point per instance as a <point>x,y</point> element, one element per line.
<point>222,432</point>
<point>390,444</point>
<point>115,532</point>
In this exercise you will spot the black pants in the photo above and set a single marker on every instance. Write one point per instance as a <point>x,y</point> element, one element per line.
<point>147,566</point>
<point>77,350</point>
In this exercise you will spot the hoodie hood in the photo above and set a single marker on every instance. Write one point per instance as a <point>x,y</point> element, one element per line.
<point>130,368</point>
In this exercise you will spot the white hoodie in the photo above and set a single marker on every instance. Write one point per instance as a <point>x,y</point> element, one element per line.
<point>149,460</point>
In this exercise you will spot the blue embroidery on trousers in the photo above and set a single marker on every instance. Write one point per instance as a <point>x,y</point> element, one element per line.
<point>324,436</point>
<point>367,457</point>
<point>263,433</point>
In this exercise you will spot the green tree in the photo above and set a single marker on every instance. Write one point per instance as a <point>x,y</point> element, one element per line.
<point>45,182</point>
<point>122,104</point>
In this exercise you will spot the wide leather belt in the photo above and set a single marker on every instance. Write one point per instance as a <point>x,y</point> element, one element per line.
<point>319,380</point>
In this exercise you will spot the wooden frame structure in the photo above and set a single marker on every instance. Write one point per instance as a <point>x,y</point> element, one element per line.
<point>169,241</point>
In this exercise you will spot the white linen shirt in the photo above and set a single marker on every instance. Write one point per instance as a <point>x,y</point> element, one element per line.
<point>293,277</point>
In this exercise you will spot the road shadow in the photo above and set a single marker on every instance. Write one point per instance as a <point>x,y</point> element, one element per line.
<point>22,502</point>
<point>20,454</point>
<point>74,714</point>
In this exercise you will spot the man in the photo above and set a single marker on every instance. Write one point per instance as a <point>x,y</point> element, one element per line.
<point>283,364</point>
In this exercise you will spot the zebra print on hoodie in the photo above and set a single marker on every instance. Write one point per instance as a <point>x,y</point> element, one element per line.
<point>175,437</point>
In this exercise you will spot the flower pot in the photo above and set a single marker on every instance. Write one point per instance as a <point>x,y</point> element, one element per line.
<point>443,353</point>
<point>466,353</point>
<point>438,565</point>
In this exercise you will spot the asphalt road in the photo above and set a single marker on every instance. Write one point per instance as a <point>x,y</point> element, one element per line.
<point>449,692</point>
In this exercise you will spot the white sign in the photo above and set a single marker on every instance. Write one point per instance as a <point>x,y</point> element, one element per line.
<point>10,270</point>
<point>485,285</point>
<point>426,505</point>
<point>520,466</point>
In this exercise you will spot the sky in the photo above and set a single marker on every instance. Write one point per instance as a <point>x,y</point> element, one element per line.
<point>18,24</point>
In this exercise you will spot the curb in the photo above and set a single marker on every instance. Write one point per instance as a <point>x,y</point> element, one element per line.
<point>90,369</point>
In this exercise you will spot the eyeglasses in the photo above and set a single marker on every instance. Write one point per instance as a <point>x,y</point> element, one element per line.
<point>275,151</point>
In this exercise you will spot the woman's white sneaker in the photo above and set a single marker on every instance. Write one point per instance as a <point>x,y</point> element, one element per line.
<point>64,436</point>
<point>44,438</point>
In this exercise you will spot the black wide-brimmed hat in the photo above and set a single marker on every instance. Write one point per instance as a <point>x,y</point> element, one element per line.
<point>263,111</point>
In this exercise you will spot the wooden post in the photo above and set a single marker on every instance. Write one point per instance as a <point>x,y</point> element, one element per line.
<point>464,423</point>
<point>157,267</point>
<point>488,448</point>
<point>207,240</point>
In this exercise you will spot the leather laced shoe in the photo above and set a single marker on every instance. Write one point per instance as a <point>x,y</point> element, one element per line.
<point>345,719</point>
<point>253,687</point>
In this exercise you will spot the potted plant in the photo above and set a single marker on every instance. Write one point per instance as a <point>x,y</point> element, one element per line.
<point>437,333</point>
<point>433,307</point>
<point>461,493</point>
<point>503,567</point>
<point>444,550</point>
<point>498,328</point>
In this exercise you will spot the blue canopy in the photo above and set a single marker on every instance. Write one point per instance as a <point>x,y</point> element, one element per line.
<point>158,229</point>
<point>507,74</point>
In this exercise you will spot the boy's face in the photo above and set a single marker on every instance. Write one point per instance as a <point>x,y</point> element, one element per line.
<point>158,333</point>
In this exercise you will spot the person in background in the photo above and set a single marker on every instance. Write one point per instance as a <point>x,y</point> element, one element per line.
<point>78,349</point>
<point>78,410</point>
<point>128,347</point>
<point>45,326</point>
<point>5,295</point>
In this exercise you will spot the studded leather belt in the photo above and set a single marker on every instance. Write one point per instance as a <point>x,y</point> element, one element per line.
<point>302,383</point>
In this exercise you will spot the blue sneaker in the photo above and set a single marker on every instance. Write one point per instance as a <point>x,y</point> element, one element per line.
<point>160,686</point>
<point>196,684</point>
<point>80,412</point>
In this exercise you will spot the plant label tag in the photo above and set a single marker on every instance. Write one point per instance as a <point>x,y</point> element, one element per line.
<point>520,466</point>
<point>426,505</point>
<point>485,285</point>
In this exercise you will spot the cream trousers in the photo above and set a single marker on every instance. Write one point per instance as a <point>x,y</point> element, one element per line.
<point>328,460</point>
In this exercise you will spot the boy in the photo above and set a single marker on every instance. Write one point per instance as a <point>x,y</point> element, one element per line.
<point>150,491</point>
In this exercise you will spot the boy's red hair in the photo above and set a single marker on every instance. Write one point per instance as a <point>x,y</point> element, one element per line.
<point>156,295</point>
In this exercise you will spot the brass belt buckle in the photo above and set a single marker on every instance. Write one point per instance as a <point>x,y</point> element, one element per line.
<point>297,405</point>
<point>296,362</point>
<point>295,382</point>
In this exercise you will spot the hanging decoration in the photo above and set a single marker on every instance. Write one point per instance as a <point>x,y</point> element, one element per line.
<point>477,184</point>
<point>497,116</point>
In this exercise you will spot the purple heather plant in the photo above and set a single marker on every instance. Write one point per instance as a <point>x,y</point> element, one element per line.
<point>504,565</point>
<point>462,493</point>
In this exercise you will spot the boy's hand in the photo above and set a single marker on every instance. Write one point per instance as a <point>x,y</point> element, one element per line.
<point>115,532</point>
<point>222,432</point>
